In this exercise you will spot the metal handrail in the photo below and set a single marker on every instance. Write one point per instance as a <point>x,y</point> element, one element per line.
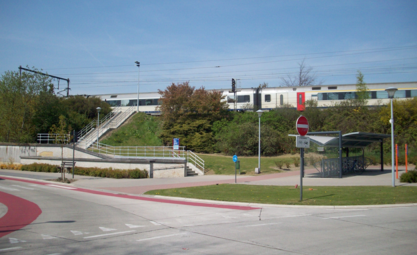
<point>92,135</point>
<point>140,151</point>
<point>85,131</point>
<point>195,160</point>
<point>53,138</point>
<point>122,116</point>
<point>149,151</point>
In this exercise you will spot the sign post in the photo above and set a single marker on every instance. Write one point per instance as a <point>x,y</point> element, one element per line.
<point>235,160</point>
<point>302,142</point>
<point>406,158</point>
<point>175,145</point>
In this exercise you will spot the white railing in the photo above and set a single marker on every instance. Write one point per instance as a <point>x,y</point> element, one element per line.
<point>53,138</point>
<point>139,151</point>
<point>195,160</point>
<point>116,122</point>
<point>90,137</point>
<point>83,133</point>
<point>149,151</point>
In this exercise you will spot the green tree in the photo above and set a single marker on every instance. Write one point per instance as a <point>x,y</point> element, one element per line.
<point>189,114</point>
<point>362,93</point>
<point>19,96</point>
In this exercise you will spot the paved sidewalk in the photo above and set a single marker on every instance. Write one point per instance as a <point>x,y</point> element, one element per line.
<point>371,177</point>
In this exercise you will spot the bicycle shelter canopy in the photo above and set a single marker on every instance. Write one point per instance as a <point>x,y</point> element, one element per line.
<point>351,140</point>
<point>339,166</point>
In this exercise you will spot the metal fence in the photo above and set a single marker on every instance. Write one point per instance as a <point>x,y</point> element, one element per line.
<point>139,151</point>
<point>89,128</point>
<point>149,151</point>
<point>53,138</point>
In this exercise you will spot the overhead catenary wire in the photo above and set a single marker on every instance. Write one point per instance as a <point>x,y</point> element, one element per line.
<point>370,50</point>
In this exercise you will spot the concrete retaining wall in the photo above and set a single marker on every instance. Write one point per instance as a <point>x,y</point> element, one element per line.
<point>54,154</point>
<point>159,170</point>
<point>12,153</point>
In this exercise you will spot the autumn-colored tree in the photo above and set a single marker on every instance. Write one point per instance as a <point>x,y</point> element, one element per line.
<point>189,113</point>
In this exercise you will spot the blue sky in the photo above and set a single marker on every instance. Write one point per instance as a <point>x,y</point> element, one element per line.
<point>95,43</point>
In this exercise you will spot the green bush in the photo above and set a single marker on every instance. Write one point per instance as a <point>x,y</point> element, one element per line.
<point>35,167</point>
<point>296,162</point>
<point>409,177</point>
<point>279,164</point>
<point>96,172</point>
<point>287,163</point>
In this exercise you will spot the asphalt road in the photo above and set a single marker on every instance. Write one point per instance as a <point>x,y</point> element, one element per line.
<point>77,222</point>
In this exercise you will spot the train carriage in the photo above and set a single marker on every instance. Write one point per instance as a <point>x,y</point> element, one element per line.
<point>275,97</point>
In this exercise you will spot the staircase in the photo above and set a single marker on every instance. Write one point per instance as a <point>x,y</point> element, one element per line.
<point>88,135</point>
<point>190,172</point>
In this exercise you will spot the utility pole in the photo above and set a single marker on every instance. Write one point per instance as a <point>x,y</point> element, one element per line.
<point>52,76</point>
<point>138,65</point>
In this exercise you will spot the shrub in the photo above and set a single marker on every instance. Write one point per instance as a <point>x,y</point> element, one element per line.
<point>11,166</point>
<point>409,177</point>
<point>296,162</point>
<point>279,164</point>
<point>96,172</point>
<point>287,163</point>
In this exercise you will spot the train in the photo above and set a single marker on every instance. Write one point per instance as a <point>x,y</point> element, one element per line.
<point>268,98</point>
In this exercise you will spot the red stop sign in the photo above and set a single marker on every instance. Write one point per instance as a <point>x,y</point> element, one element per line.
<point>302,125</point>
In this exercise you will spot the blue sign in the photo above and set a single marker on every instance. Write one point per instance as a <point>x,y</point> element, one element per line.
<point>176,143</point>
<point>234,158</point>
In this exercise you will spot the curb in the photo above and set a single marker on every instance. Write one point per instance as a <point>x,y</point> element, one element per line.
<point>227,202</point>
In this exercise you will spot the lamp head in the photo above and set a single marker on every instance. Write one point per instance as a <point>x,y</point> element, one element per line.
<point>137,63</point>
<point>98,109</point>
<point>391,91</point>
<point>259,113</point>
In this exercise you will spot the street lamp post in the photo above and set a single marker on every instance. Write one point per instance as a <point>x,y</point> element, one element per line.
<point>138,65</point>
<point>98,124</point>
<point>391,92</point>
<point>259,142</point>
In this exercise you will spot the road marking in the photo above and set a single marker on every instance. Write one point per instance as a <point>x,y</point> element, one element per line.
<point>134,226</point>
<point>341,217</point>
<point>76,233</point>
<point>110,234</point>
<point>23,187</point>
<point>15,240</point>
<point>106,229</point>
<point>58,186</point>
<point>155,223</point>
<point>10,189</point>
<point>10,249</point>
<point>257,225</point>
<point>46,237</point>
<point>157,237</point>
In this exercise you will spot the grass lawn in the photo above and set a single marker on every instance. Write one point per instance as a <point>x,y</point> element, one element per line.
<point>357,195</point>
<point>220,164</point>
<point>140,130</point>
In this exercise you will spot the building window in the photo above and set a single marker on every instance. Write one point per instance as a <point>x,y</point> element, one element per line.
<point>316,88</point>
<point>267,98</point>
<point>281,100</point>
<point>243,99</point>
<point>333,87</point>
<point>113,96</point>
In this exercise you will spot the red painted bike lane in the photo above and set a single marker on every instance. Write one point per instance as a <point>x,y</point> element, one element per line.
<point>20,213</point>
<point>150,199</point>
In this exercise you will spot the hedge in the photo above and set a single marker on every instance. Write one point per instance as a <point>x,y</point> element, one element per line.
<point>97,172</point>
